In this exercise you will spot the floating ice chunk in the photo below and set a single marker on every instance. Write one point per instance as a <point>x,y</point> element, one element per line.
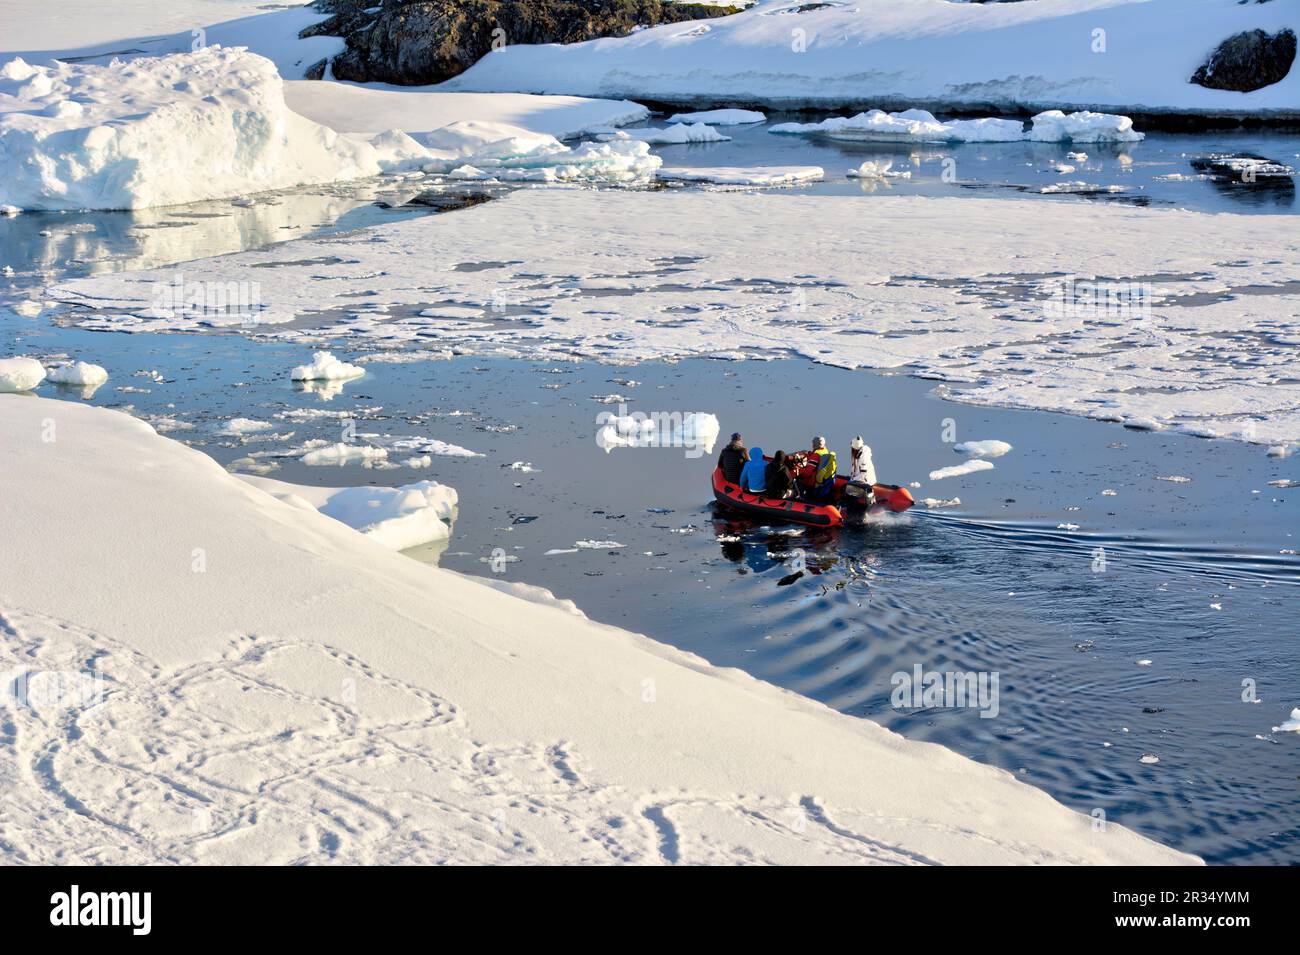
<point>325,367</point>
<point>1141,423</point>
<point>242,426</point>
<point>340,454</point>
<point>1292,725</point>
<point>624,160</point>
<point>79,373</point>
<point>700,430</point>
<point>27,308</point>
<point>1079,187</point>
<point>1085,126</point>
<point>1144,663</point>
<point>20,374</point>
<point>991,448</point>
<point>1149,758</point>
<point>672,136</point>
<point>934,502</point>
<point>909,126</point>
<point>721,117</point>
<point>422,446</point>
<point>696,431</point>
<point>878,169</point>
<point>958,470</point>
<point>1067,527</point>
<point>597,545</point>
<point>743,175</point>
<point>626,431</point>
<point>1174,478</point>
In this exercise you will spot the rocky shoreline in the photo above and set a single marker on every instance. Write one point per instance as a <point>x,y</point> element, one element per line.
<point>419,42</point>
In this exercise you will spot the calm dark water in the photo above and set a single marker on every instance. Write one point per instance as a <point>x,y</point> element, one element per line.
<point>1194,581</point>
<point>1157,171</point>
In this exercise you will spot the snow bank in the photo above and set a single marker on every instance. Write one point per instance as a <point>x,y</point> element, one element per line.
<point>286,690</point>
<point>20,374</point>
<point>396,517</point>
<point>742,175</point>
<point>158,131</point>
<point>421,112</point>
<point>1023,57</point>
<point>325,367</point>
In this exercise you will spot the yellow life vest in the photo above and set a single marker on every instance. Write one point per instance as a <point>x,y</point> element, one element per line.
<point>827,467</point>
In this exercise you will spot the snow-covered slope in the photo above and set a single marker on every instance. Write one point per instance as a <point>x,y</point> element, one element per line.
<point>231,679</point>
<point>375,108</point>
<point>1132,54</point>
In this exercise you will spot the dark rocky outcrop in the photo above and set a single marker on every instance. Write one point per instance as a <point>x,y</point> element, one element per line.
<point>1248,61</point>
<point>413,42</point>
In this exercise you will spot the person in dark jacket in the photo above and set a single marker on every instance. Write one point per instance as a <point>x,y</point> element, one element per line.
<point>779,483</point>
<point>733,458</point>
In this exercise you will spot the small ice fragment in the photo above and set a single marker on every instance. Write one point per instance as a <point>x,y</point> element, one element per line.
<point>325,367</point>
<point>970,467</point>
<point>982,449</point>
<point>1292,725</point>
<point>20,374</point>
<point>78,373</point>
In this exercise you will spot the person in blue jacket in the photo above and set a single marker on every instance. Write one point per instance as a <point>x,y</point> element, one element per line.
<point>753,474</point>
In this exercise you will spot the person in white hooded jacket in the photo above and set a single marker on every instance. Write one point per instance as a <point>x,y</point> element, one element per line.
<point>862,467</point>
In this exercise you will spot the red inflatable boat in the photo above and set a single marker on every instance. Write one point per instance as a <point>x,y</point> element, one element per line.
<point>831,514</point>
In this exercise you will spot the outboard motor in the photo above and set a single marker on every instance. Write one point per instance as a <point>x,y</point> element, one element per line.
<point>856,499</point>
